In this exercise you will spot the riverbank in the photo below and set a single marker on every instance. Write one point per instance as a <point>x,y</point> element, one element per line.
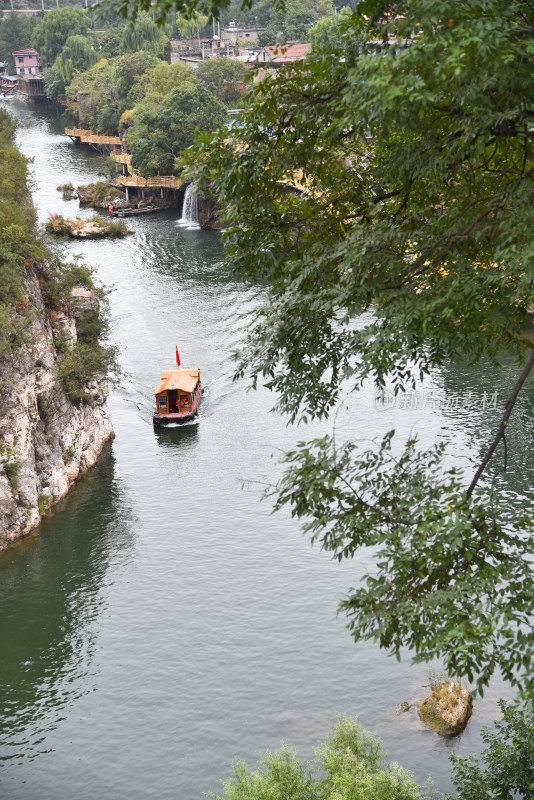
<point>54,420</point>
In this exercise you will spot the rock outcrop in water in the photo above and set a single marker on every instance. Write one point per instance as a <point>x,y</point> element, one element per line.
<point>48,439</point>
<point>94,228</point>
<point>447,709</point>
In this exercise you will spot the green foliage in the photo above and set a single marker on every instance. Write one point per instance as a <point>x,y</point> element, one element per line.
<point>224,78</point>
<point>76,56</point>
<point>15,34</point>
<point>97,104</point>
<point>43,504</point>
<point>12,469</point>
<point>443,551</point>
<point>85,362</point>
<point>190,25</point>
<point>59,278</point>
<point>151,87</point>
<point>293,23</point>
<point>144,34</point>
<point>126,71</point>
<point>349,766</point>
<point>52,31</point>
<point>506,767</point>
<point>412,172</point>
<point>18,244</point>
<point>110,42</point>
<point>54,84</point>
<point>333,34</point>
<point>102,92</point>
<point>161,133</point>
<point>19,248</point>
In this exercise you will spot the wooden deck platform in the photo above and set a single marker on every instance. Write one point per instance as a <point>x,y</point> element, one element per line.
<point>157,182</point>
<point>89,137</point>
<point>132,180</point>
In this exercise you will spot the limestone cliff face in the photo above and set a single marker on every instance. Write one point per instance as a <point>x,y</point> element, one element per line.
<point>46,440</point>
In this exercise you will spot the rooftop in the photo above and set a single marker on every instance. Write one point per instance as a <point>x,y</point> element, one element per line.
<point>288,52</point>
<point>183,379</point>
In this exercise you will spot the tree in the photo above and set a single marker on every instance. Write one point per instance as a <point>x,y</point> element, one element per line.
<point>161,132</point>
<point>348,766</point>
<point>412,171</point>
<point>507,768</point>
<point>152,86</point>
<point>15,34</point>
<point>110,42</point>
<point>224,78</point>
<point>144,34</point>
<point>127,70</point>
<point>76,56</point>
<point>54,84</point>
<point>294,21</point>
<point>329,33</point>
<point>191,25</point>
<point>52,31</point>
<point>97,104</point>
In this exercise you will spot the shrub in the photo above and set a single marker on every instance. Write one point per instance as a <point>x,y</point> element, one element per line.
<point>12,469</point>
<point>85,362</point>
<point>350,765</point>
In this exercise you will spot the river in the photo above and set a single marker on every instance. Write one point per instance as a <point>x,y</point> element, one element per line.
<point>162,622</point>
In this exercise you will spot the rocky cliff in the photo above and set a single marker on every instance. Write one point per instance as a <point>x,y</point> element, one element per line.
<point>49,434</point>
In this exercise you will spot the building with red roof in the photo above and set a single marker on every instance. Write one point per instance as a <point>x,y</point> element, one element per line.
<point>281,55</point>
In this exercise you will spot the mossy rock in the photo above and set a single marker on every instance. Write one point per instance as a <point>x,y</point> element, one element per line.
<point>99,195</point>
<point>94,228</point>
<point>447,709</point>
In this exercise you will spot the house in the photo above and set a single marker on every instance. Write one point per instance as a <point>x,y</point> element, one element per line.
<point>30,73</point>
<point>234,34</point>
<point>281,55</point>
<point>28,62</point>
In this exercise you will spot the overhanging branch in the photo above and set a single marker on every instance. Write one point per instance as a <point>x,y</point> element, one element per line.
<point>500,435</point>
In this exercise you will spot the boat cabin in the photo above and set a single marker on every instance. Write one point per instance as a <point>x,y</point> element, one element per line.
<point>177,391</point>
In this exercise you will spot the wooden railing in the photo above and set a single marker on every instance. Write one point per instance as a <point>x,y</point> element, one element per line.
<point>88,137</point>
<point>134,181</point>
<point>157,182</point>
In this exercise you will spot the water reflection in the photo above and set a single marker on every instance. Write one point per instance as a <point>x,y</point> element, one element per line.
<point>53,590</point>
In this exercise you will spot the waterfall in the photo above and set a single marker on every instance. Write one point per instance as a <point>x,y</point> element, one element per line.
<point>190,208</point>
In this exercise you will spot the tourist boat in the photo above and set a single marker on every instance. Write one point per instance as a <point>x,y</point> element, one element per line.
<point>177,396</point>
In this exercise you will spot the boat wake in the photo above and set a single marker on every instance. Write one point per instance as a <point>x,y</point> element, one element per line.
<point>189,424</point>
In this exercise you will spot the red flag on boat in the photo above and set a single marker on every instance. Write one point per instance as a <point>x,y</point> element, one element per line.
<point>177,357</point>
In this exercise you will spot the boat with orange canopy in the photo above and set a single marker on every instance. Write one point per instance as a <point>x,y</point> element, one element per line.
<point>177,395</point>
